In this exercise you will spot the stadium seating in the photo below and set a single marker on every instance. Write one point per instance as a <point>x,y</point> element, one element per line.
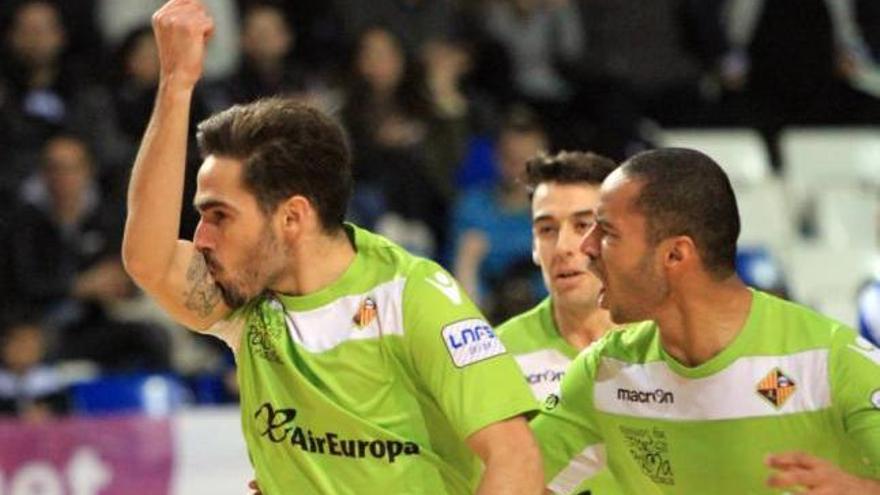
<point>740,151</point>
<point>763,204</point>
<point>150,394</point>
<point>828,278</point>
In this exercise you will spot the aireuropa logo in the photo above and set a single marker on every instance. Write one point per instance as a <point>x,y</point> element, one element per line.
<point>277,425</point>
<point>658,396</point>
<point>470,341</point>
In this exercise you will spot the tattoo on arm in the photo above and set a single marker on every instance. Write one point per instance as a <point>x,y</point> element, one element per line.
<point>202,295</point>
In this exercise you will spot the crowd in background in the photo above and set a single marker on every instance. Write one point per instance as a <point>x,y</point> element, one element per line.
<point>443,102</point>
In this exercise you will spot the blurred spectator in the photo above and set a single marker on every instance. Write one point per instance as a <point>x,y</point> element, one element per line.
<point>452,116</point>
<point>491,226</point>
<point>413,22</point>
<point>545,43</point>
<point>38,89</point>
<point>537,35</point>
<point>117,18</point>
<point>29,388</point>
<point>120,111</point>
<point>407,139</point>
<point>319,39</point>
<point>796,62</point>
<point>869,311</point>
<point>266,68</point>
<point>65,254</point>
<point>125,102</point>
<point>666,51</point>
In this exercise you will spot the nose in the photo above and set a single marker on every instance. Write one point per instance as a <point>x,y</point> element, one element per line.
<point>568,242</point>
<point>590,242</point>
<point>203,237</point>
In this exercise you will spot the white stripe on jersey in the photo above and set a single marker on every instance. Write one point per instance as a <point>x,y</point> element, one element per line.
<point>324,328</point>
<point>583,466</point>
<point>543,369</point>
<point>653,390</point>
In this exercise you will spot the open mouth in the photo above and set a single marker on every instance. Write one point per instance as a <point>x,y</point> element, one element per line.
<point>569,274</point>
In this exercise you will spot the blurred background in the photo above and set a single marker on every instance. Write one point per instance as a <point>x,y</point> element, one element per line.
<point>443,100</point>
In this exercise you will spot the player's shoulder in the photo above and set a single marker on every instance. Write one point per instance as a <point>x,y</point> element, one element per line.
<point>632,342</point>
<point>381,253</point>
<point>796,325</point>
<point>523,321</point>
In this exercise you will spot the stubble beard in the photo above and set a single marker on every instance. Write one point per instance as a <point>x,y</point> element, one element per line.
<point>258,273</point>
<point>646,288</point>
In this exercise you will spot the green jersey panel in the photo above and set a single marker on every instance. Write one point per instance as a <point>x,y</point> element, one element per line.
<point>791,380</point>
<point>372,384</point>
<point>544,356</point>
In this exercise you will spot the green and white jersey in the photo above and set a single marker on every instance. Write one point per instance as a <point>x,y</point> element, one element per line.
<point>371,385</point>
<point>791,380</point>
<point>539,349</point>
<point>543,356</point>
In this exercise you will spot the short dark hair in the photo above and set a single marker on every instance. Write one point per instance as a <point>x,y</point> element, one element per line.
<point>288,148</point>
<point>567,167</point>
<point>684,192</point>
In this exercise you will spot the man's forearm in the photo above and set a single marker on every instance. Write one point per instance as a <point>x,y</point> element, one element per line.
<point>155,193</point>
<point>516,474</point>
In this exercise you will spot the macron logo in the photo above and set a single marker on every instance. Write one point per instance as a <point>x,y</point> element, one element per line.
<point>445,284</point>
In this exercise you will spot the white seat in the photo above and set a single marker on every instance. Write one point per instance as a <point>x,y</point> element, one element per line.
<point>740,152</point>
<point>830,175</point>
<point>848,217</point>
<point>828,279</point>
<point>765,217</point>
<point>815,158</point>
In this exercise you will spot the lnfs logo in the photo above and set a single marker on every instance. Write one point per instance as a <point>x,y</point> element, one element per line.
<point>470,341</point>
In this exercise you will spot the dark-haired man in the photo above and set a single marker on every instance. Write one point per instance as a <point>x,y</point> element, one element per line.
<point>362,369</point>
<point>708,396</point>
<point>564,191</point>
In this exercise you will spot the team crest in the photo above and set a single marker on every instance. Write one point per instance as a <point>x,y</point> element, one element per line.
<point>366,313</point>
<point>776,387</point>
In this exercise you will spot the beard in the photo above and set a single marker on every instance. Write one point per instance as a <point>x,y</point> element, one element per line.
<point>259,271</point>
<point>645,289</point>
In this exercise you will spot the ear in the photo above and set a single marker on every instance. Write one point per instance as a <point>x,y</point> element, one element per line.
<point>295,213</point>
<point>679,251</point>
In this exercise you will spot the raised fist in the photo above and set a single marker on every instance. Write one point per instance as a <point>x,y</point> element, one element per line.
<point>182,29</point>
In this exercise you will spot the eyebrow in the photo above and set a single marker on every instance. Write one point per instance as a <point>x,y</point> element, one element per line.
<point>605,224</point>
<point>209,204</point>
<point>579,213</point>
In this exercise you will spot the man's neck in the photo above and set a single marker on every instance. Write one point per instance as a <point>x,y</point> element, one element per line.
<point>580,325</point>
<point>699,324</point>
<point>316,263</point>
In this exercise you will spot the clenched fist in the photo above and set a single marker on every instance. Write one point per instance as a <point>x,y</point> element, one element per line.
<point>182,29</point>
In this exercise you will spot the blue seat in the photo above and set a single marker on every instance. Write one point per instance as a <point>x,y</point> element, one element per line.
<point>151,394</point>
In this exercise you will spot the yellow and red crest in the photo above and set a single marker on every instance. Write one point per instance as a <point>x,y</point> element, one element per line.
<point>366,313</point>
<point>776,387</point>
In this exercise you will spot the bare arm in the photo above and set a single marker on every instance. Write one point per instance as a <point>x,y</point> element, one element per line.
<point>814,475</point>
<point>171,271</point>
<point>511,456</point>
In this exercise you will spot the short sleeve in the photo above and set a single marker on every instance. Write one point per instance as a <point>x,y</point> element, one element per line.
<point>458,356</point>
<point>570,442</point>
<point>855,381</point>
<point>230,328</point>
